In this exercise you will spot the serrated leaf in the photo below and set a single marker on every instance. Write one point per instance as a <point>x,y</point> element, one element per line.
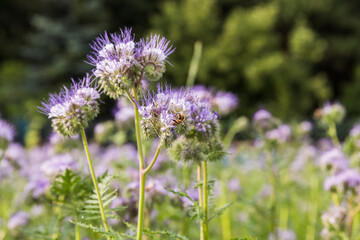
<point>220,210</point>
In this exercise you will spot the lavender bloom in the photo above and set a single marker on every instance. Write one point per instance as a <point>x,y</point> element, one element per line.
<point>7,131</point>
<point>347,180</point>
<point>334,160</point>
<point>17,220</point>
<point>72,108</point>
<point>281,134</point>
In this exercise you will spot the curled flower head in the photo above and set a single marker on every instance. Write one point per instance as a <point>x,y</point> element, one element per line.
<point>72,108</point>
<point>153,53</point>
<point>121,63</point>
<point>114,58</point>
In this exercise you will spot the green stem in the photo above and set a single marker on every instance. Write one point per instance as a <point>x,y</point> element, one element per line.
<point>94,180</point>
<point>201,204</point>
<point>273,209</point>
<point>333,134</point>
<point>225,217</point>
<point>146,170</point>
<point>77,232</point>
<point>206,201</point>
<point>141,172</point>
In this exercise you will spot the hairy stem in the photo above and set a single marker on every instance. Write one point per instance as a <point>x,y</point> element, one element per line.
<point>201,204</point>
<point>141,171</point>
<point>333,134</point>
<point>94,180</point>
<point>146,170</point>
<point>206,201</point>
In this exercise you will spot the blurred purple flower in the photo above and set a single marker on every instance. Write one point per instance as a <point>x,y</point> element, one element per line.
<point>7,131</point>
<point>333,160</point>
<point>280,134</point>
<point>18,220</point>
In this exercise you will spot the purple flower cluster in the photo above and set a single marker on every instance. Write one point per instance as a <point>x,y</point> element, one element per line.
<point>223,102</point>
<point>7,131</point>
<point>165,110</point>
<point>263,120</point>
<point>331,113</point>
<point>333,219</point>
<point>334,160</point>
<point>344,181</point>
<point>179,110</point>
<point>72,108</point>
<point>18,220</point>
<point>121,63</point>
<point>280,134</point>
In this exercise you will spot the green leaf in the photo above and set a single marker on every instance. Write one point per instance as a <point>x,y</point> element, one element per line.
<point>220,210</point>
<point>91,209</point>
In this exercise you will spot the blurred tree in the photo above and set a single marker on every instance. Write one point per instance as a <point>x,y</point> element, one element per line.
<point>287,56</point>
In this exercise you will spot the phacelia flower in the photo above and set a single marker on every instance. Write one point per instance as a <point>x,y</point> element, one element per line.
<point>331,113</point>
<point>121,63</point>
<point>153,53</point>
<point>166,113</point>
<point>263,120</point>
<point>72,108</point>
<point>333,160</point>
<point>17,220</point>
<point>344,181</point>
<point>221,101</point>
<point>7,133</point>
<point>280,134</point>
<point>58,164</point>
<point>113,58</point>
<point>355,131</point>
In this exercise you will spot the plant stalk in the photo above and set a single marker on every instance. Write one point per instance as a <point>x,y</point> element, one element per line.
<point>141,171</point>
<point>86,148</point>
<point>206,201</point>
<point>201,204</point>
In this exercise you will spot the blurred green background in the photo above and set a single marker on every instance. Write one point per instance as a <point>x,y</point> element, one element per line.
<point>288,56</point>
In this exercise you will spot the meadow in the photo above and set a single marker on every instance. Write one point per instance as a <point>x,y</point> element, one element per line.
<point>166,167</point>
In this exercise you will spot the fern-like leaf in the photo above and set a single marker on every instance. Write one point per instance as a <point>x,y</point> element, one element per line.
<point>220,210</point>
<point>91,210</point>
<point>111,233</point>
